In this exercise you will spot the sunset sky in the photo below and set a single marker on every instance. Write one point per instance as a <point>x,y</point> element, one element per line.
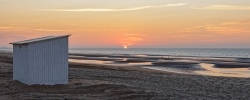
<point>132,23</point>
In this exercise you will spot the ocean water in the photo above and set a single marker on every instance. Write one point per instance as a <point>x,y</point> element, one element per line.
<point>200,52</point>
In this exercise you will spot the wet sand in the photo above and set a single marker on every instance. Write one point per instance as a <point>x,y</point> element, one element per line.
<point>99,81</point>
<point>213,66</point>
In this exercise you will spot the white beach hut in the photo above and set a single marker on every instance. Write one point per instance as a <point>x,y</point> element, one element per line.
<point>41,61</point>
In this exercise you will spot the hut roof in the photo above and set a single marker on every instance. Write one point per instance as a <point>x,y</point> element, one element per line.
<point>38,39</point>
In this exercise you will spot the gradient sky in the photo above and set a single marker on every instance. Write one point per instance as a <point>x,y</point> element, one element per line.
<point>135,23</point>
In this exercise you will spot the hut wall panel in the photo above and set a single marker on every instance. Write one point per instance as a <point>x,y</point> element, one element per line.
<point>20,63</point>
<point>48,62</point>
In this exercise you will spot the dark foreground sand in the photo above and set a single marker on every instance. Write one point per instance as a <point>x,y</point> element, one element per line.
<point>98,82</point>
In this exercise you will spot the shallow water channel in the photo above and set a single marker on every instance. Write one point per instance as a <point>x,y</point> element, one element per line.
<point>226,67</point>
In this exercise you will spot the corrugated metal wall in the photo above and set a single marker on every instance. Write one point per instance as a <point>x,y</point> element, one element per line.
<point>20,63</point>
<point>48,62</point>
<point>44,62</point>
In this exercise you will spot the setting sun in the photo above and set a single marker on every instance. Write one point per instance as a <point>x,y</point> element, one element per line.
<point>125,47</point>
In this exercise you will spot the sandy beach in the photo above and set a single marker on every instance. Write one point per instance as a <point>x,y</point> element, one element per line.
<point>99,81</point>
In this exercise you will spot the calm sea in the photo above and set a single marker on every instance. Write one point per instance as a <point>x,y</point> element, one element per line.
<point>204,52</point>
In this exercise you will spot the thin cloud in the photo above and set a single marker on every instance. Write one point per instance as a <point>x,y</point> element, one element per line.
<point>7,27</point>
<point>128,40</point>
<point>239,22</point>
<point>48,30</point>
<point>223,7</point>
<point>10,28</point>
<point>26,29</point>
<point>195,29</point>
<point>232,27</point>
<point>180,36</point>
<point>134,34</point>
<point>112,10</point>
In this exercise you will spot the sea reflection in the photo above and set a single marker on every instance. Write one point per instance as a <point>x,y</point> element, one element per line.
<point>226,67</point>
<point>172,70</point>
<point>90,61</point>
<point>141,63</point>
<point>227,72</point>
<point>109,62</point>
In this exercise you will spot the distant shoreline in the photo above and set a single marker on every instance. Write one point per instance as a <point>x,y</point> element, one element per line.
<point>189,52</point>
